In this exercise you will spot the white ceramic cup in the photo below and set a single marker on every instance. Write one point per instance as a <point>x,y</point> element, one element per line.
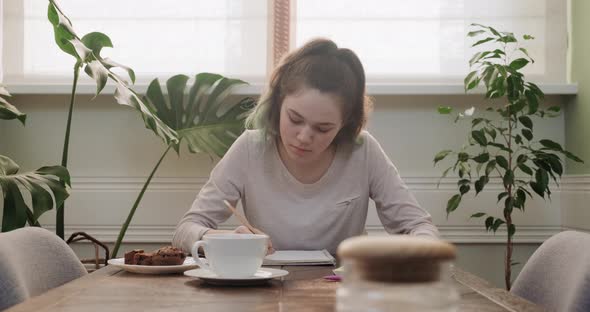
<point>232,255</point>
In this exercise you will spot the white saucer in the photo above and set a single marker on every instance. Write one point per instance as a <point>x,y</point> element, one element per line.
<point>189,263</point>
<point>262,275</point>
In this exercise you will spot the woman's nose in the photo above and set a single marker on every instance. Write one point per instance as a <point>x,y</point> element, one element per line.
<point>305,135</point>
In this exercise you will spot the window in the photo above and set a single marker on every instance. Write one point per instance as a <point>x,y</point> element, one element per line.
<point>425,40</point>
<point>398,40</point>
<point>154,37</point>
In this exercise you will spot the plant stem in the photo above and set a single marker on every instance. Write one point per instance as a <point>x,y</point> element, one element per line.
<point>508,214</point>
<point>139,197</point>
<point>59,218</point>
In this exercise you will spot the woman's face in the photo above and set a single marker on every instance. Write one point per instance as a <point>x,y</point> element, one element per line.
<point>308,123</point>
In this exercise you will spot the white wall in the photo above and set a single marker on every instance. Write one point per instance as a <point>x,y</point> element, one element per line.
<point>111,155</point>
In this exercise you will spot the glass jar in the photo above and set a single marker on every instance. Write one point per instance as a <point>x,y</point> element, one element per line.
<point>396,273</point>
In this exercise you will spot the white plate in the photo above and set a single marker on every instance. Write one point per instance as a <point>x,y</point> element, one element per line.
<point>189,263</point>
<point>261,276</point>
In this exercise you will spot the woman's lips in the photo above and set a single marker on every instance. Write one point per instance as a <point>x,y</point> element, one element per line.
<point>299,150</point>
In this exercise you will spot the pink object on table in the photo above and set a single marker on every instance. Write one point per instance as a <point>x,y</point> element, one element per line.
<point>333,278</point>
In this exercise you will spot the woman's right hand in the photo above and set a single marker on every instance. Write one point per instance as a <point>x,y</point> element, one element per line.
<point>244,230</point>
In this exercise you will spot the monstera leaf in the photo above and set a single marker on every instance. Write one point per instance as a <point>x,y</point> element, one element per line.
<point>201,115</point>
<point>40,184</point>
<point>204,118</point>
<point>86,50</point>
<point>7,110</point>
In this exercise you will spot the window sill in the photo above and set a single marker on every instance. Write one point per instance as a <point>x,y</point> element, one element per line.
<point>256,89</point>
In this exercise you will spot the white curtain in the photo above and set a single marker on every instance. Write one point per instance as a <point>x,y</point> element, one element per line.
<point>425,40</point>
<point>398,41</point>
<point>154,37</point>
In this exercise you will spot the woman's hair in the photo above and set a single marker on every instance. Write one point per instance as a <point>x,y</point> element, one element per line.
<point>319,65</point>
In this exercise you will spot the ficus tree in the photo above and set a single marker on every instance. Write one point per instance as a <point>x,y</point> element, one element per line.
<point>501,142</point>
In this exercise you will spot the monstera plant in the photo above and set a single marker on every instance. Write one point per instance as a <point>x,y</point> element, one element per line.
<point>201,115</point>
<point>502,142</point>
<point>42,185</point>
<point>86,52</point>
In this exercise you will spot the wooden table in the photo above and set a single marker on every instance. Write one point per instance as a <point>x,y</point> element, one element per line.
<point>111,289</point>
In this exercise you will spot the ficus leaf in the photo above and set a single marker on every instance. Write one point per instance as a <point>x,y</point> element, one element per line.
<point>490,167</point>
<point>463,182</point>
<point>491,132</point>
<point>462,156</point>
<point>526,121</point>
<point>537,188</point>
<point>502,195</point>
<point>482,158</point>
<point>508,178</point>
<point>551,145</point>
<point>508,205</point>
<point>480,137</point>
<point>453,203</point>
<point>480,184</point>
<point>475,33</point>
<point>482,41</point>
<point>464,189</point>
<point>511,232</point>
<point>441,155</point>
<point>527,134</point>
<point>489,222</point>
<point>526,52</point>
<point>502,162</point>
<point>542,178</point>
<point>518,63</point>
<point>469,79</point>
<point>526,169</point>
<point>478,215</point>
<point>497,224</point>
<point>572,157</point>
<point>532,101</point>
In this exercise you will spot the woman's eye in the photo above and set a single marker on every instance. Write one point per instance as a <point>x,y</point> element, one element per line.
<point>322,130</point>
<point>295,121</point>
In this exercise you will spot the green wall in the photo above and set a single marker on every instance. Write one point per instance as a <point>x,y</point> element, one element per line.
<point>577,112</point>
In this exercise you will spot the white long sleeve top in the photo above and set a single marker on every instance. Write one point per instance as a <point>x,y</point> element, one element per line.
<point>305,216</point>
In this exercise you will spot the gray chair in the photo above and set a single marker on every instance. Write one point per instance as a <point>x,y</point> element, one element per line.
<point>557,276</point>
<point>32,261</point>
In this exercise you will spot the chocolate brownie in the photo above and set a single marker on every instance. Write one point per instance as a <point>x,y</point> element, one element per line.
<point>164,256</point>
<point>168,256</point>
<point>129,256</point>
<point>144,258</point>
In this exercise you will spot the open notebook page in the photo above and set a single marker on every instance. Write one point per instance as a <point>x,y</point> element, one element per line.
<point>299,257</point>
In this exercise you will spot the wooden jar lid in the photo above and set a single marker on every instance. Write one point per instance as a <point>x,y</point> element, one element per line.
<point>395,258</point>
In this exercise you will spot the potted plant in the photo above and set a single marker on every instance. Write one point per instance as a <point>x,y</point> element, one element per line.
<point>200,114</point>
<point>86,51</point>
<point>501,142</point>
<point>42,185</point>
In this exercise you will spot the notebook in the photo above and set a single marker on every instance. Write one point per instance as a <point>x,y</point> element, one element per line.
<point>300,257</point>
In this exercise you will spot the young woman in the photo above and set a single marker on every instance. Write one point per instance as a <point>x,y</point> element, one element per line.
<point>306,173</point>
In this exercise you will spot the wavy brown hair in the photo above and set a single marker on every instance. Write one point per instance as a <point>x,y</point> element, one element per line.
<point>320,65</point>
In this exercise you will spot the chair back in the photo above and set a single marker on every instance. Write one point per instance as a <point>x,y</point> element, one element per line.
<point>32,261</point>
<point>557,276</point>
